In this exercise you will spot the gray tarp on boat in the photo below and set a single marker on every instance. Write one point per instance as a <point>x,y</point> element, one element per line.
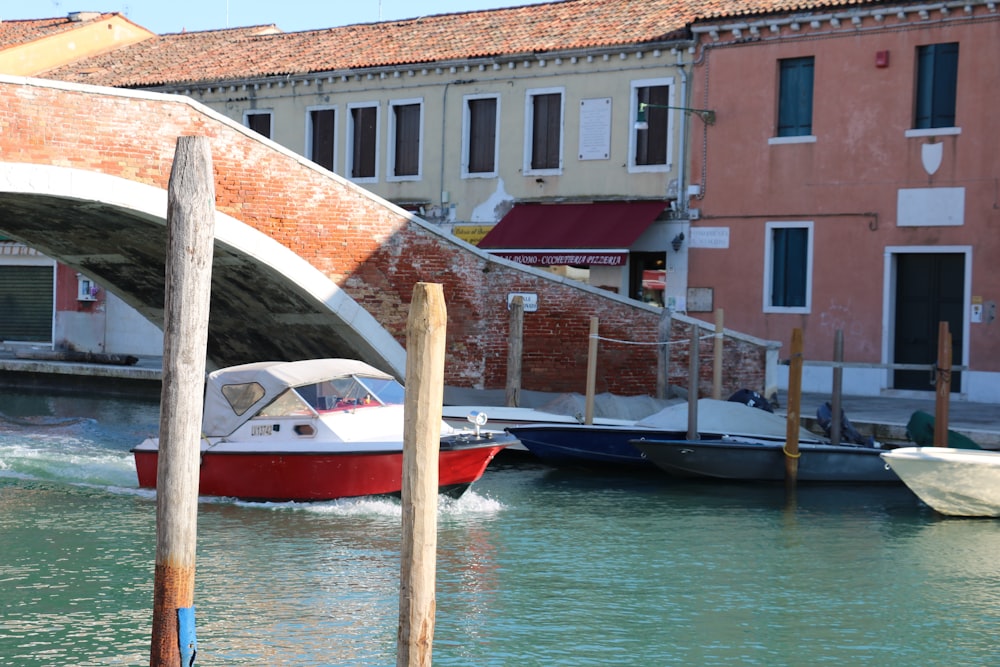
<point>726,418</point>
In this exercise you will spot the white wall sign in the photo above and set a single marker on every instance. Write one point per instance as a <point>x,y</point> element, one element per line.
<point>595,129</point>
<point>709,237</point>
<point>930,207</point>
<point>530,300</point>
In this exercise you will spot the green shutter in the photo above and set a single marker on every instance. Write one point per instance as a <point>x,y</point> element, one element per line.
<point>26,298</point>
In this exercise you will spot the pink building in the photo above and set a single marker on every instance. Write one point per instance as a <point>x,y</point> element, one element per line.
<point>850,183</point>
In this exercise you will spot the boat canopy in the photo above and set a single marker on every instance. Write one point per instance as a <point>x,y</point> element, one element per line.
<point>234,395</point>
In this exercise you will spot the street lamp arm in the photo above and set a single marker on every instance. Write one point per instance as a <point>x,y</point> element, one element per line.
<point>707,115</point>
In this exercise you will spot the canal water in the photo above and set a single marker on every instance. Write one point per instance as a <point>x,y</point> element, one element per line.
<point>537,566</point>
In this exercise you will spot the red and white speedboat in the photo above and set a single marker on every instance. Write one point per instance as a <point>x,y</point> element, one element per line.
<point>316,429</point>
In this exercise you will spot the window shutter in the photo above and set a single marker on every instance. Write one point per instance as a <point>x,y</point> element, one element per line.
<point>482,135</point>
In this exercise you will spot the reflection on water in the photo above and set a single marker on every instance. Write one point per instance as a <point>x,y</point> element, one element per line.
<point>537,566</point>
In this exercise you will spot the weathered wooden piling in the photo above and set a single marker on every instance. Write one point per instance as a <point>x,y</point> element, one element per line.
<point>717,359</point>
<point>515,348</point>
<point>588,417</point>
<point>425,351</point>
<point>190,235</point>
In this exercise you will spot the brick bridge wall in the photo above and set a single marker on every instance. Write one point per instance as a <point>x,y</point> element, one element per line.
<point>373,250</point>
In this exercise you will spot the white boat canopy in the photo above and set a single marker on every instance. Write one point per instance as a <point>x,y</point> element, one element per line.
<point>234,395</point>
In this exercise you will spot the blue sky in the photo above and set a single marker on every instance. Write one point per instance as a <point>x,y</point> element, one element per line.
<point>163,16</point>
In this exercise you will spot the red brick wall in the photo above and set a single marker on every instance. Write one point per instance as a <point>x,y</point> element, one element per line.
<point>373,251</point>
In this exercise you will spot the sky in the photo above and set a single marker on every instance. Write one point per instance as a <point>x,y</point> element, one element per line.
<point>163,16</point>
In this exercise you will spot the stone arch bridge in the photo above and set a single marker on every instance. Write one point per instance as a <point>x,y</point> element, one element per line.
<point>306,264</point>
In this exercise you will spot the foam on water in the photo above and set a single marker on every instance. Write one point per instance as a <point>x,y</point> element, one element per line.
<point>469,504</point>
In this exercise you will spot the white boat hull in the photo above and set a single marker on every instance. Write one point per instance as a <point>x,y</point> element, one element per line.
<point>955,482</point>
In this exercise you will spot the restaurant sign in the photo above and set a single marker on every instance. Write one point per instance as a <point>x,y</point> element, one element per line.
<point>561,257</point>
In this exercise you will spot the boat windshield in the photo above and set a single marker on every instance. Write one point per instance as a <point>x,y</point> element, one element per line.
<point>351,392</point>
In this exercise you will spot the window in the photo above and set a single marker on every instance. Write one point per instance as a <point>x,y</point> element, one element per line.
<point>544,123</point>
<point>788,266</point>
<point>650,144</point>
<point>795,97</point>
<point>404,143</point>
<point>937,82</point>
<point>259,122</point>
<point>362,132</point>
<point>480,140</point>
<point>320,133</point>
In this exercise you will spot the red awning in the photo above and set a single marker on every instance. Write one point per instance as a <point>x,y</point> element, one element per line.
<point>594,234</point>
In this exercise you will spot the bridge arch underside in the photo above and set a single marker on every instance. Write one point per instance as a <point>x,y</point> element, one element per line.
<point>257,311</point>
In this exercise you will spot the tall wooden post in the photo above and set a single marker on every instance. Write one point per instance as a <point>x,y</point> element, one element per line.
<point>694,352</point>
<point>591,372</point>
<point>663,354</point>
<point>425,351</point>
<point>943,386</point>
<point>190,235</point>
<point>838,383</point>
<point>794,402</point>
<point>717,361</point>
<point>515,348</point>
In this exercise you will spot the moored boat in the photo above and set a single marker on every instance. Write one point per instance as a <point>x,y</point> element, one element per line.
<point>316,429</point>
<point>952,481</point>
<point>763,459</point>
<point>609,444</point>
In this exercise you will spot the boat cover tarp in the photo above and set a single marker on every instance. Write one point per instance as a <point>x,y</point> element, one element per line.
<point>725,418</point>
<point>274,377</point>
<point>920,429</point>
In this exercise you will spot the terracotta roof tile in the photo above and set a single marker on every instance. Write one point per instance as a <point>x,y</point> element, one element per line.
<point>225,55</point>
<point>15,33</point>
<point>263,51</point>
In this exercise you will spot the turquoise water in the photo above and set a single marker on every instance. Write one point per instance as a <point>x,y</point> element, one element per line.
<point>537,566</point>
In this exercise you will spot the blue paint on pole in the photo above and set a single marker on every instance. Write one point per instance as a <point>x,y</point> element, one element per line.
<point>186,636</point>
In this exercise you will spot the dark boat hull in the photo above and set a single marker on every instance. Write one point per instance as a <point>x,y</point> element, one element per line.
<point>721,459</point>
<point>577,444</point>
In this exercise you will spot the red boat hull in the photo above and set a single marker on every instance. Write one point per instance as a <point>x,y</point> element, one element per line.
<point>273,476</point>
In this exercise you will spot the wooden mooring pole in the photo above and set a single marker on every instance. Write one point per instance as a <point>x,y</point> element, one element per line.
<point>190,235</point>
<point>588,417</point>
<point>794,403</point>
<point>425,351</point>
<point>942,386</point>
<point>717,359</point>
<point>515,349</point>
<point>694,352</point>
<point>837,389</point>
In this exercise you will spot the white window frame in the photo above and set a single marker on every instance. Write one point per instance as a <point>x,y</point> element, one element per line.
<point>349,140</point>
<point>390,167</point>
<point>467,138</point>
<point>259,112</point>
<point>529,108</point>
<point>768,272</point>
<point>634,168</point>
<point>309,131</point>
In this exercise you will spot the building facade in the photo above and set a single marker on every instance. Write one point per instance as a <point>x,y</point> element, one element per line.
<point>849,186</point>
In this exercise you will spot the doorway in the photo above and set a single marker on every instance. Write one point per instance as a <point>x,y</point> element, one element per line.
<point>647,277</point>
<point>930,288</point>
